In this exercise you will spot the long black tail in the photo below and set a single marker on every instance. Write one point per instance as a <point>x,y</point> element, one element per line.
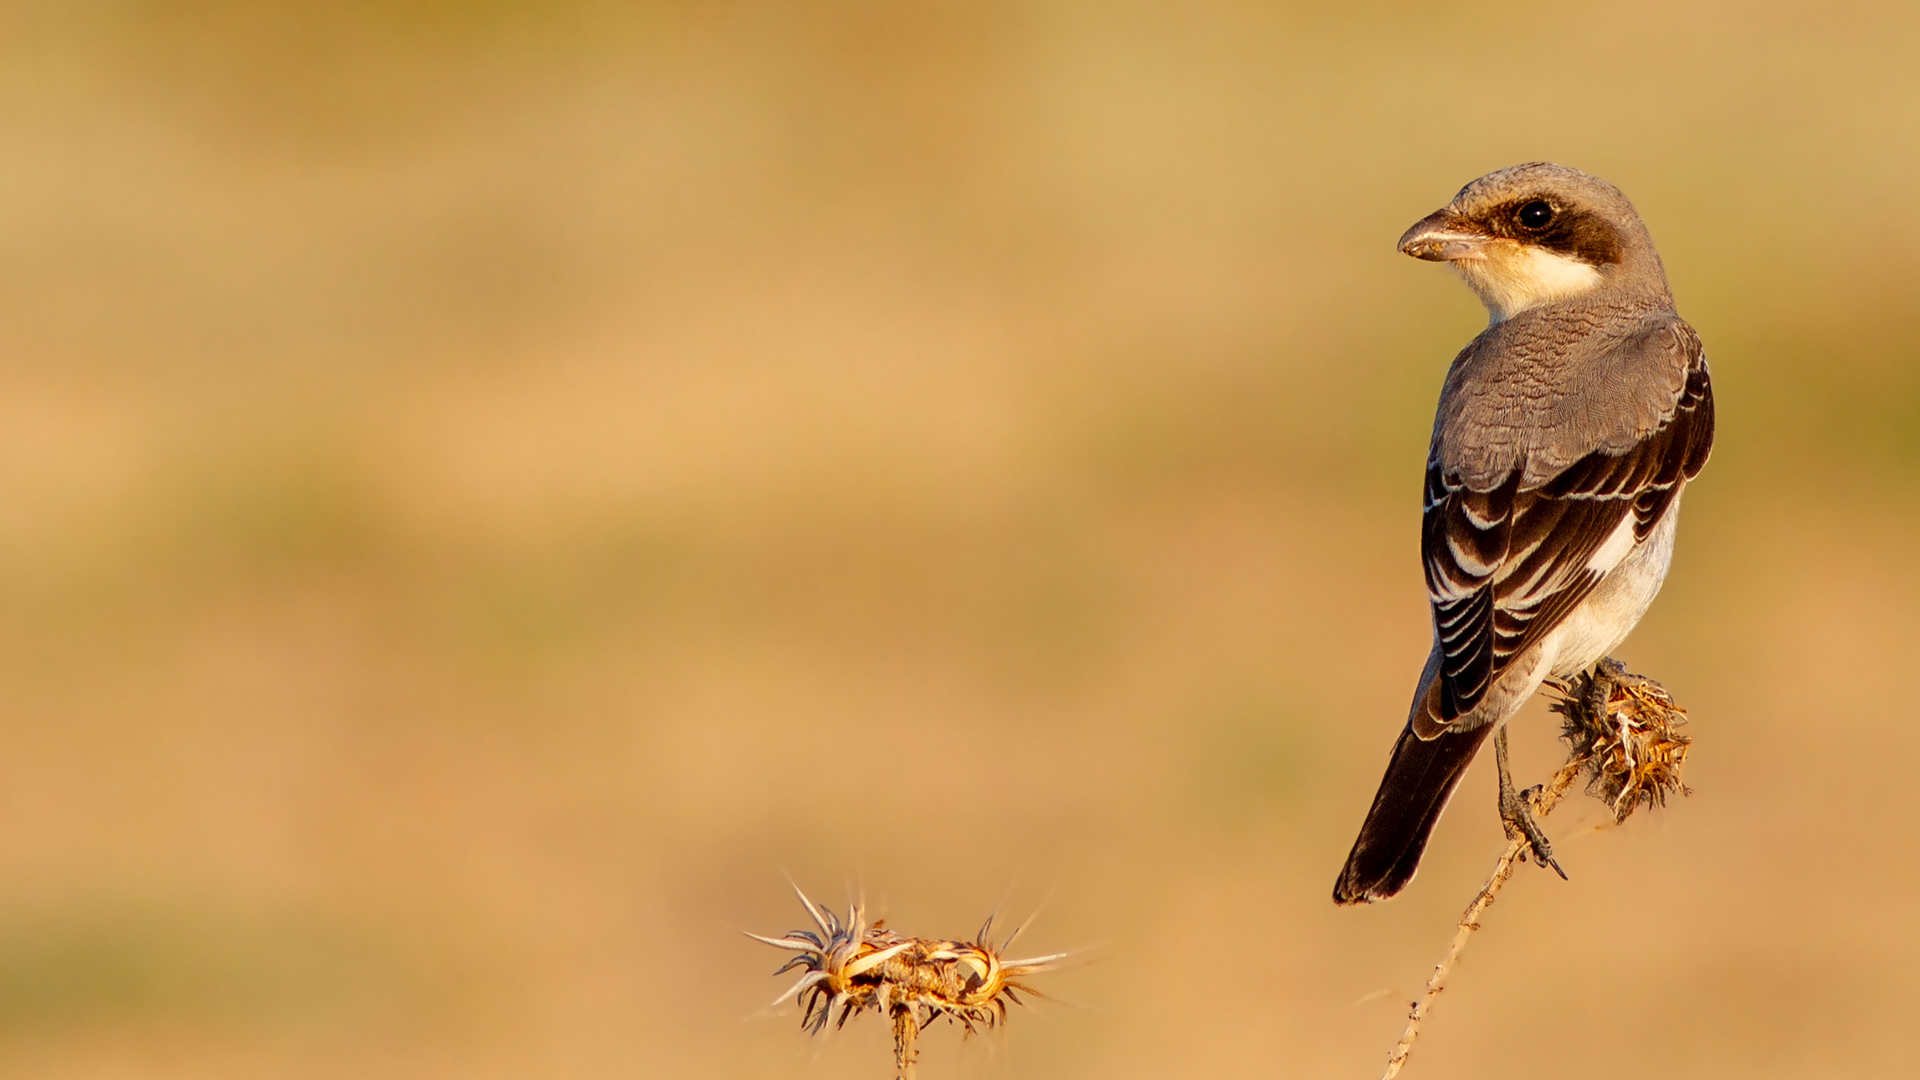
<point>1420,779</point>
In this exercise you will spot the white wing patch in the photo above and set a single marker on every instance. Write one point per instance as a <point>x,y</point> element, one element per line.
<point>1614,549</point>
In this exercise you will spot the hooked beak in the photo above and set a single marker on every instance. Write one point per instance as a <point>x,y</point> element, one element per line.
<point>1439,238</point>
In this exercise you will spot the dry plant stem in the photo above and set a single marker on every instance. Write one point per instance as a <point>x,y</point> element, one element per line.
<point>1543,803</point>
<point>906,1031</point>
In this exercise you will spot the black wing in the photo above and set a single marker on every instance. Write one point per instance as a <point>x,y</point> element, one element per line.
<point>1506,566</point>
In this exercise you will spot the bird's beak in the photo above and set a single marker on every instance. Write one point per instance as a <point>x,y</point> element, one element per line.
<point>1440,237</point>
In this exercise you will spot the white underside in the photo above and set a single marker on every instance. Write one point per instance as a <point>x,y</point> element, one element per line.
<point>1615,607</point>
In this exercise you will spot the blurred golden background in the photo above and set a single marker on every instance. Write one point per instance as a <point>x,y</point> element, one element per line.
<point>486,488</point>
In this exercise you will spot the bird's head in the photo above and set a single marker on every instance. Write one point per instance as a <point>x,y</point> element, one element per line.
<point>1536,233</point>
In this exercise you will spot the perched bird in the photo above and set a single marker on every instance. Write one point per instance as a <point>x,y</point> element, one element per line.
<point>1565,435</point>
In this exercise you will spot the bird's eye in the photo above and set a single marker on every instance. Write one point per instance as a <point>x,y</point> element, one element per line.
<point>1535,215</point>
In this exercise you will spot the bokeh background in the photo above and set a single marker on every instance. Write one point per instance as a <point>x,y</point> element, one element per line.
<point>490,488</point>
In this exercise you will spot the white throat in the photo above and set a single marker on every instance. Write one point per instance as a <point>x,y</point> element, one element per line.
<point>1511,277</point>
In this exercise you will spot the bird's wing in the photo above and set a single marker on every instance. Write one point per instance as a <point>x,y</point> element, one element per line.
<point>1505,566</point>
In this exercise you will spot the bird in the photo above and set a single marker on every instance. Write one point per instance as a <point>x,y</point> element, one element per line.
<point>1565,435</point>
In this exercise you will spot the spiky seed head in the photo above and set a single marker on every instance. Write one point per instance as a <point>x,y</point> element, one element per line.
<point>851,967</point>
<point>1631,748</point>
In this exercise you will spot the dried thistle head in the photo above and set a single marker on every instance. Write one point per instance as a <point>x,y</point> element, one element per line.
<point>852,967</point>
<point>1624,731</point>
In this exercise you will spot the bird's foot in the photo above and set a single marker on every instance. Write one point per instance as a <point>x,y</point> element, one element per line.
<point>1608,674</point>
<point>1516,810</point>
<point>1516,816</point>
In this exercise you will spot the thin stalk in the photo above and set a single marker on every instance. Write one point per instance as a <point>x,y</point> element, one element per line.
<point>1543,804</point>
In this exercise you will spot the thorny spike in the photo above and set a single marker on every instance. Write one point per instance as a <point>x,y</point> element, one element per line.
<point>1017,931</point>
<point>1024,925</point>
<point>786,942</point>
<point>1026,967</point>
<point>794,990</point>
<point>798,961</point>
<point>811,910</point>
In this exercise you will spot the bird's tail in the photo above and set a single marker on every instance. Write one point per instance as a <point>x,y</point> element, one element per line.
<point>1420,779</point>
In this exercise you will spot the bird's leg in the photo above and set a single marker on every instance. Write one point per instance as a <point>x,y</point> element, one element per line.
<point>1516,813</point>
